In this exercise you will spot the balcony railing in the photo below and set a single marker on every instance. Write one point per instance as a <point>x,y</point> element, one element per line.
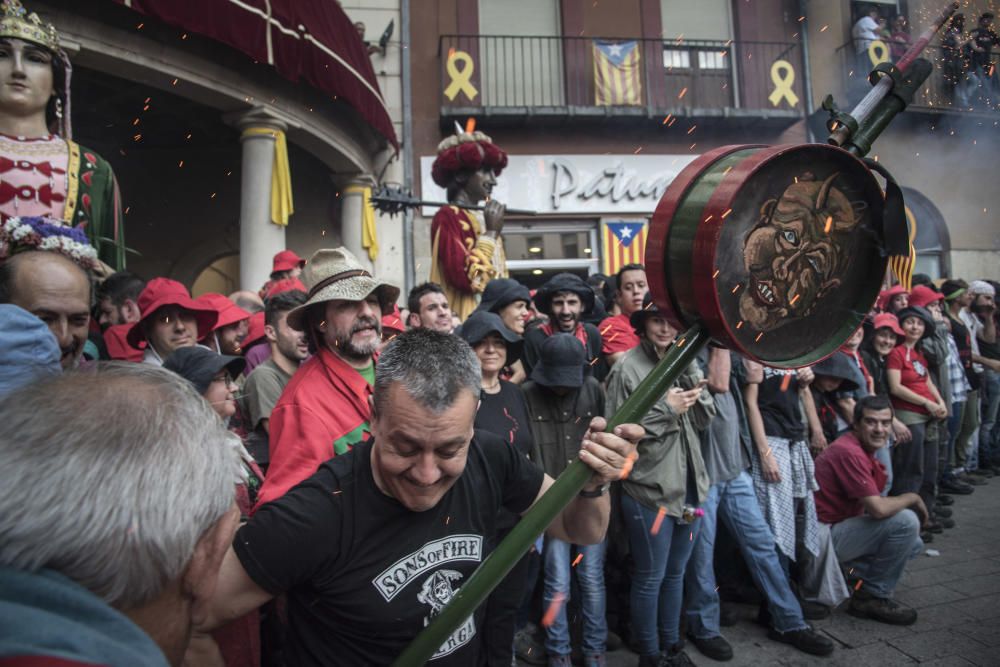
<point>538,76</point>
<point>949,88</point>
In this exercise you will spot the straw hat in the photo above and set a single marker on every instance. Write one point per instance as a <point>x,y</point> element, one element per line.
<point>337,274</point>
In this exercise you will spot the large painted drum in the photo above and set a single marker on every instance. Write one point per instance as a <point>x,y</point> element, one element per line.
<point>776,249</point>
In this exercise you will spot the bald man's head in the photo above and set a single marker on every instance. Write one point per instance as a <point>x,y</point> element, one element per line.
<point>55,290</point>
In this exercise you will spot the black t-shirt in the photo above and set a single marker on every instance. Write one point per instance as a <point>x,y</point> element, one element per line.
<point>364,574</point>
<point>504,414</point>
<point>779,404</point>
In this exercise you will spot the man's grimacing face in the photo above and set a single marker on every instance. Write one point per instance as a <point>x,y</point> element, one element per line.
<point>419,454</point>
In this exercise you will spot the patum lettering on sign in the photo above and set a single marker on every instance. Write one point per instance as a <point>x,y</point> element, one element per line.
<point>576,184</point>
<point>611,183</point>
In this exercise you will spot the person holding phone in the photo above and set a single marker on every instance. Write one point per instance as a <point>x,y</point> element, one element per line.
<point>662,494</point>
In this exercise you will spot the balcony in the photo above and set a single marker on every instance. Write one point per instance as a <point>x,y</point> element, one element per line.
<point>551,79</point>
<point>944,91</point>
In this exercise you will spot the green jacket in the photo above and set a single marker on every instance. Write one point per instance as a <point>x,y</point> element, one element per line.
<point>659,476</point>
<point>93,201</point>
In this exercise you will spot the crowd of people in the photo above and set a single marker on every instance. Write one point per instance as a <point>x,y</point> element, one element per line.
<point>345,423</point>
<point>966,57</point>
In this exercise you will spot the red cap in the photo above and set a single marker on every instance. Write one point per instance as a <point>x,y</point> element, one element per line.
<point>393,321</point>
<point>885,296</point>
<point>921,295</point>
<point>285,285</point>
<point>888,320</point>
<point>228,312</point>
<point>286,260</point>
<point>256,331</point>
<point>118,347</point>
<point>161,292</point>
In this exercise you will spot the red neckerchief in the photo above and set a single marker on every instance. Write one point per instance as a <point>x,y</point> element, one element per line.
<point>580,333</point>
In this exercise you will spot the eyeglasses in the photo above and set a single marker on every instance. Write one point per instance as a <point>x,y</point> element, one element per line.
<point>225,378</point>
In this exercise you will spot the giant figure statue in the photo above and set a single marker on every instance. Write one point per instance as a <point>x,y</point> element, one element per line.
<point>43,172</point>
<point>465,255</point>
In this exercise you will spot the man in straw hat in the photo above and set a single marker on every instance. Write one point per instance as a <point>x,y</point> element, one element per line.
<point>324,409</point>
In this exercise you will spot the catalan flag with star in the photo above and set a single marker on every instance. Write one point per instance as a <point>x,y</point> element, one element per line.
<point>622,242</point>
<point>617,73</point>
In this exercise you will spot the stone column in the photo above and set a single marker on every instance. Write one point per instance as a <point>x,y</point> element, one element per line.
<point>260,239</point>
<point>351,202</point>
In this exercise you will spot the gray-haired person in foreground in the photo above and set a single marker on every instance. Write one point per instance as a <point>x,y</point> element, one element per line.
<point>376,543</point>
<point>117,511</point>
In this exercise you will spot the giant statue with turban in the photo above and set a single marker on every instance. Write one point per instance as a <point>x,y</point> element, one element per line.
<point>47,180</point>
<point>466,252</point>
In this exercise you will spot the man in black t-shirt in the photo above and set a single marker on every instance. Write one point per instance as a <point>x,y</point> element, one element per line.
<point>374,545</point>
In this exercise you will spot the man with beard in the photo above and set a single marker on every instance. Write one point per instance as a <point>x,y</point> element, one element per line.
<point>55,290</point>
<point>324,410</point>
<point>564,299</point>
<point>268,380</point>
<point>117,310</point>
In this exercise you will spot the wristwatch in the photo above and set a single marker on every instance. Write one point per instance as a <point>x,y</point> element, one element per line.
<point>596,493</point>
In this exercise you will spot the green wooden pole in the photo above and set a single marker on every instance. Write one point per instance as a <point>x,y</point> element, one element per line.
<point>496,566</point>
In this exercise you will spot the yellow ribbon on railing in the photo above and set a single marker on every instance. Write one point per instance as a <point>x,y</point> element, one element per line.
<point>783,83</point>
<point>461,79</point>
<point>282,206</point>
<point>369,236</point>
<point>878,52</point>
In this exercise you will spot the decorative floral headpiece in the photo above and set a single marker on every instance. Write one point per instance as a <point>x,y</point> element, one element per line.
<point>466,150</point>
<point>37,233</point>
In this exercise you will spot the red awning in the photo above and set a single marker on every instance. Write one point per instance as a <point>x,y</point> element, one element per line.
<point>313,41</point>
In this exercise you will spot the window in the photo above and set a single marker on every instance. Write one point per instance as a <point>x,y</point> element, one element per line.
<point>536,251</point>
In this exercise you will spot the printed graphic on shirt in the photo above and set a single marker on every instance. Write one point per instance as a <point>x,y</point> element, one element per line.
<point>439,587</point>
<point>436,592</point>
<point>397,576</point>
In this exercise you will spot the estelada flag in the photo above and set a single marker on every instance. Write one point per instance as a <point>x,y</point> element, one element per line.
<point>617,74</point>
<point>622,242</point>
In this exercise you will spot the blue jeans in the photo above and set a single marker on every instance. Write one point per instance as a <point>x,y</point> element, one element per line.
<point>658,583</point>
<point>878,549</point>
<point>736,503</point>
<point>590,577</point>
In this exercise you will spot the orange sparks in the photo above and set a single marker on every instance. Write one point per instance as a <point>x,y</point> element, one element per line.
<point>672,121</point>
<point>708,218</point>
<point>691,147</point>
<point>627,467</point>
<point>681,342</point>
<point>470,125</point>
<point>857,586</point>
<point>662,512</point>
<point>823,29</point>
<point>553,610</point>
<point>180,164</point>
<point>728,211</point>
<point>715,274</point>
<point>693,128</point>
<point>736,289</point>
<point>829,223</point>
<point>794,299</point>
<point>174,82</point>
<point>667,119</point>
<point>137,137</point>
<point>759,336</point>
<point>684,92</point>
<point>739,325</point>
<point>637,150</point>
<point>786,382</point>
<point>576,561</point>
<point>691,536</point>
<point>447,520</point>
<point>727,170</point>
<point>451,52</point>
<point>139,27</point>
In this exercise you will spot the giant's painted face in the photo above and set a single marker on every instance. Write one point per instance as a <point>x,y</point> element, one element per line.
<point>796,253</point>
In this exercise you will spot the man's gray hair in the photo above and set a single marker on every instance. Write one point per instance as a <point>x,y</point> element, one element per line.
<point>111,478</point>
<point>433,367</point>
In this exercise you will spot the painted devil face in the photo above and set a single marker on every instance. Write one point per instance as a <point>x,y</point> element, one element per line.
<point>796,253</point>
